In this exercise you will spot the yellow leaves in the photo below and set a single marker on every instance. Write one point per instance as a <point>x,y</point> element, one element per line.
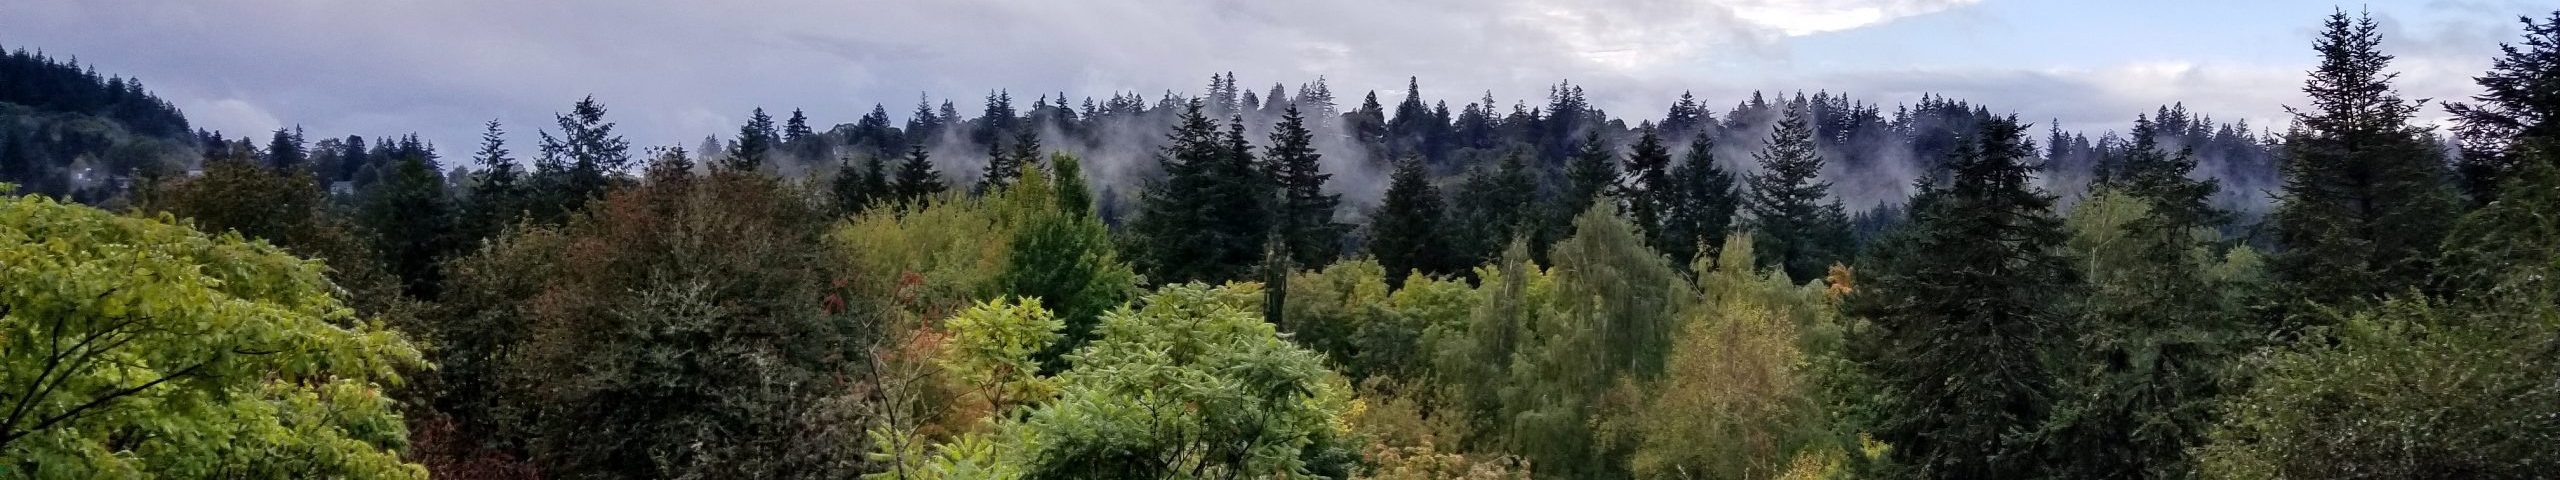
<point>1842,281</point>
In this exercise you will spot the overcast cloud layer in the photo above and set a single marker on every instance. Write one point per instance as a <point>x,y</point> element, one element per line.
<point>676,71</point>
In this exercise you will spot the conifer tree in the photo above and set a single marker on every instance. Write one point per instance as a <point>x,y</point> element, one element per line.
<point>411,220</point>
<point>2364,201</point>
<point>917,180</point>
<point>797,128</point>
<point>1205,220</point>
<point>1406,233</point>
<point>589,155</point>
<point>1305,213</point>
<point>1073,194</point>
<point>2148,172</point>
<point>2519,102</point>
<point>1487,211</point>
<point>499,194</point>
<point>1965,302</point>
<point>1797,226</point>
<point>848,189</point>
<point>1649,190</point>
<point>285,150</point>
<point>1592,173</point>
<point>1702,203</point>
<point>755,143</point>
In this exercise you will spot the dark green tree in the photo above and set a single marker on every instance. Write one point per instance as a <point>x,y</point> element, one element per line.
<point>1703,199</point>
<point>755,143</point>
<point>498,196</point>
<point>1649,192</point>
<point>1797,226</point>
<point>1304,213</point>
<point>2365,200</point>
<point>917,180</point>
<point>1592,173</point>
<point>587,155</point>
<point>1205,221</point>
<point>1487,210</point>
<point>411,222</point>
<point>2519,101</point>
<point>1964,302</point>
<point>285,150</point>
<point>1406,233</point>
<point>850,190</point>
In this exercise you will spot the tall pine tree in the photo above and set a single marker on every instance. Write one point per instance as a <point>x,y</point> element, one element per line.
<point>1406,234</point>
<point>2519,102</point>
<point>1964,300</point>
<point>917,180</point>
<point>2365,200</point>
<point>1304,213</point>
<point>1703,199</point>
<point>755,143</point>
<point>1797,226</point>
<point>1205,221</point>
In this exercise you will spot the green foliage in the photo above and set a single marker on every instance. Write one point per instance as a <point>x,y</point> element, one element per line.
<point>917,180</point>
<point>992,349</point>
<point>2163,320</point>
<point>1061,256</point>
<point>1967,302</point>
<point>411,222</point>
<point>138,347</point>
<point>1702,199</point>
<point>686,329</point>
<point>1746,390</point>
<point>2411,389</point>
<point>1191,385</point>
<point>1206,221</point>
<point>1614,311</point>
<point>1800,228</point>
<point>1486,213</point>
<point>1303,213</point>
<point>2364,203</point>
<point>1407,232</point>
<point>286,209</point>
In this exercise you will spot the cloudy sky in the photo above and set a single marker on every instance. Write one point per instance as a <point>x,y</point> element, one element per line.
<point>675,71</point>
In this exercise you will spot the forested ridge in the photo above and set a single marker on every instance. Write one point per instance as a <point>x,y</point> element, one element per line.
<point>1266,284</point>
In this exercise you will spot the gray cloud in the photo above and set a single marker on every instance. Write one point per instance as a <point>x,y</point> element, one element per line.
<point>674,71</point>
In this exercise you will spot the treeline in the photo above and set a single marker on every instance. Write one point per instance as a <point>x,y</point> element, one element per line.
<point>1701,302</point>
<point>67,131</point>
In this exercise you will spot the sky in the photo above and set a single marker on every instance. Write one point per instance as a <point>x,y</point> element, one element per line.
<point>673,72</point>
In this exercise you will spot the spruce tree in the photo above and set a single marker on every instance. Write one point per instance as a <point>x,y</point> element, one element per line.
<point>411,222</point>
<point>1964,302</point>
<point>2519,102</point>
<point>848,189</point>
<point>2364,201</point>
<point>1304,214</point>
<point>285,150</point>
<point>1405,233</point>
<point>755,143</point>
<point>1797,226</point>
<point>917,180</point>
<point>2149,172</point>
<point>797,128</point>
<point>1205,220</point>
<point>1649,190</point>
<point>1487,210</point>
<point>1703,199</point>
<point>499,194</point>
<point>1073,194</point>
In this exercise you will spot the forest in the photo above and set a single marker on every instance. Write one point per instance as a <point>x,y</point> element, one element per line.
<point>1250,283</point>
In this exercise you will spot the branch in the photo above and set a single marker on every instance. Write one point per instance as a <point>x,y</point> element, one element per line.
<point>14,435</point>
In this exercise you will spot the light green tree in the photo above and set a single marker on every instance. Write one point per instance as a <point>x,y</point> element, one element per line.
<point>134,347</point>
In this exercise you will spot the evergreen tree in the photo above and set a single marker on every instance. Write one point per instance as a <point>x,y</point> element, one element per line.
<point>1205,220</point>
<point>1797,226</point>
<point>499,194</point>
<point>1703,199</point>
<point>755,143</point>
<point>1964,300</point>
<point>1305,213</point>
<point>1487,209</point>
<point>1406,234</point>
<point>1592,173</point>
<point>2364,201</point>
<point>848,189</point>
<point>917,180</point>
<point>1650,191</point>
<point>285,150</point>
<point>411,222</point>
<point>797,128</point>
<point>2162,178</point>
<point>578,165</point>
<point>1073,194</point>
<point>2519,102</point>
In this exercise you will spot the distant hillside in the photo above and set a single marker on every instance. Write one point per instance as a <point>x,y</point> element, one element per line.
<point>67,130</point>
